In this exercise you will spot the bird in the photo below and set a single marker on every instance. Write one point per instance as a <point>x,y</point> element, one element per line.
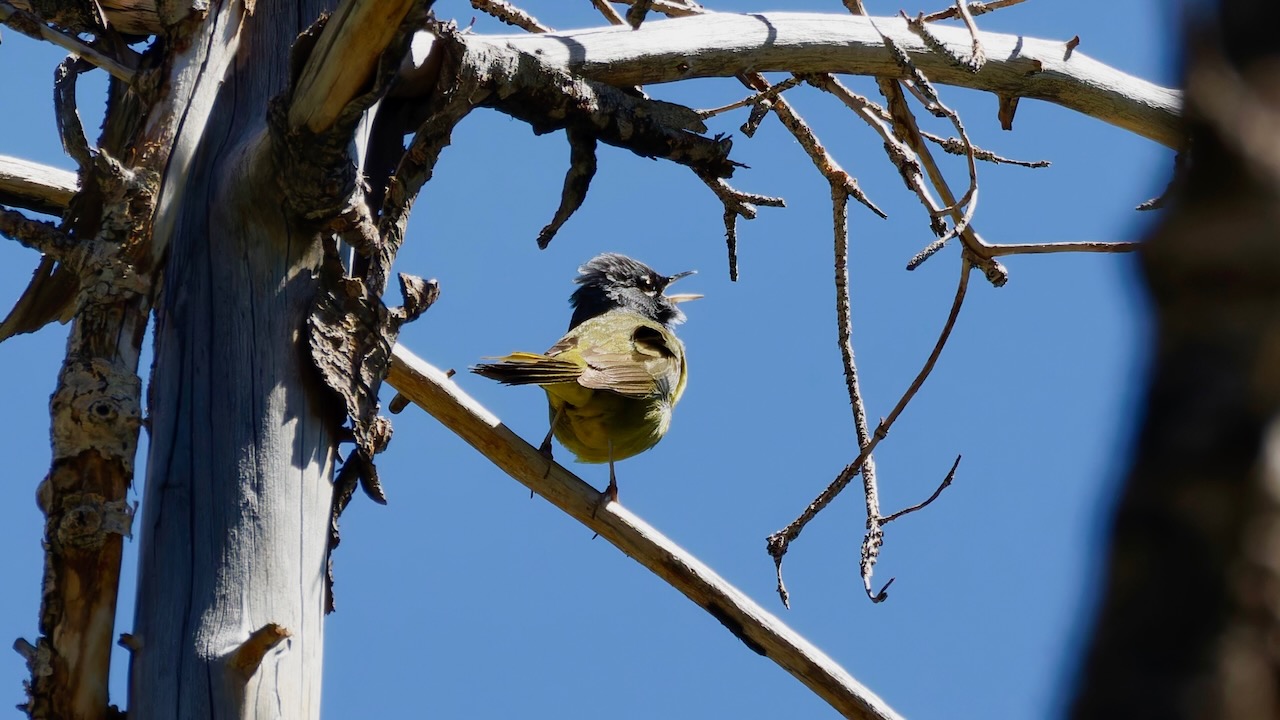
<point>614,378</point>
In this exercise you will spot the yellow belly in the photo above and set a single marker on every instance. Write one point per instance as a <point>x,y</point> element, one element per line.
<point>605,424</point>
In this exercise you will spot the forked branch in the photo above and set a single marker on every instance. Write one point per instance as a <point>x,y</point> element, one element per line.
<point>780,541</point>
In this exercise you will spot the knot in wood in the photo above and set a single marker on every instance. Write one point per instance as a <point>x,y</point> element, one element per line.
<point>96,407</point>
<point>89,518</point>
<point>81,524</point>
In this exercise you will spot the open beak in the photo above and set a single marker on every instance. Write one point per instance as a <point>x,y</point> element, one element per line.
<point>682,297</point>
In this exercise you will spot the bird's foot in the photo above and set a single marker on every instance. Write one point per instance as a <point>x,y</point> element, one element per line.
<point>609,495</point>
<point>545,451</point>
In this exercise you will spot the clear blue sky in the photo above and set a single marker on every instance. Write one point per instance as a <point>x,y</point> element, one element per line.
<point>465,599</point>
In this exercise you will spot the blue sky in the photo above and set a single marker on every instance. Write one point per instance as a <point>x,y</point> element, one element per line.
<point>464,598</point>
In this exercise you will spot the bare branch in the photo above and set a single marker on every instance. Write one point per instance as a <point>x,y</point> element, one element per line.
<point>343,60</point>
<point>550,98</point>
<point>666,7</point>
<point>844,323</point>
<point>70,129</point>
<point>976,56</point>
<point>1045,248</point>
<point>946,483</point>
<point>36,234</point>
<point>35,187</point>
<point>33,27</point>
<point>767,94</point>
<point>780,541</point>
<point>608,12</point>
<point>430,389</point>
<point>899,153</point>
<point>977,8</point>
<point>955,146</point>
<point>813,147</point>
<point>726,44</point>
<point>906,127</point>
<point>973,63</point>
<point>737,203</point>
<point>511,15</point>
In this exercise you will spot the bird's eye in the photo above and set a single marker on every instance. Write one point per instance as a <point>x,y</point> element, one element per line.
<point>649,285</point>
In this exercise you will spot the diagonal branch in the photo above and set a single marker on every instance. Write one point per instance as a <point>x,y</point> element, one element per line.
<point>758,629</point>
<point>32,26</point>
<point>343,60</point>
<point>511,15</point>
<point>813,147</point>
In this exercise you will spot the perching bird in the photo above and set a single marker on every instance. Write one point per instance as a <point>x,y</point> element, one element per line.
<point>614,377</point>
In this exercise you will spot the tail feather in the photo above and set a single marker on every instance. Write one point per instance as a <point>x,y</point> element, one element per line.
<point>523,368</point>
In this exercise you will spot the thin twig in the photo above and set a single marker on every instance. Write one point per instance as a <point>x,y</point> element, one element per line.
<point>755,99</point>
<point>812,146</point>
<point>608,12</point>
<point>909,130</point>
<point>874,538</point>
<point>1046,248</point>
<point>946,483</point>
<point>977,58</point>
<point>32,26</point>
<point>955,146</point>
<point>934,43</point>
<point>668,8</point>
<point>924,91</point>
<point>736,203</point>
<point>511,15</point>
<point>975,9</point>
<point>899,153</point>
<point>780,541</point>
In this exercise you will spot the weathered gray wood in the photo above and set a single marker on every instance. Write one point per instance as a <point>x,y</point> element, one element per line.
<point>234,532</point>
<point>723,44</point>
<point>27,184</point>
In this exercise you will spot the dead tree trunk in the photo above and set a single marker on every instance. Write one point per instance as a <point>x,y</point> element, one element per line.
<point>238,489</point>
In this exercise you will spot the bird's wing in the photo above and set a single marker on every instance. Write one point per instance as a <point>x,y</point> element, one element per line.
<point>650,367</point>
<point>523,368</point>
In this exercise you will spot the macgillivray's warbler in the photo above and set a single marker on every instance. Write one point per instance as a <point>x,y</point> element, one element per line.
<point>615,376</point>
